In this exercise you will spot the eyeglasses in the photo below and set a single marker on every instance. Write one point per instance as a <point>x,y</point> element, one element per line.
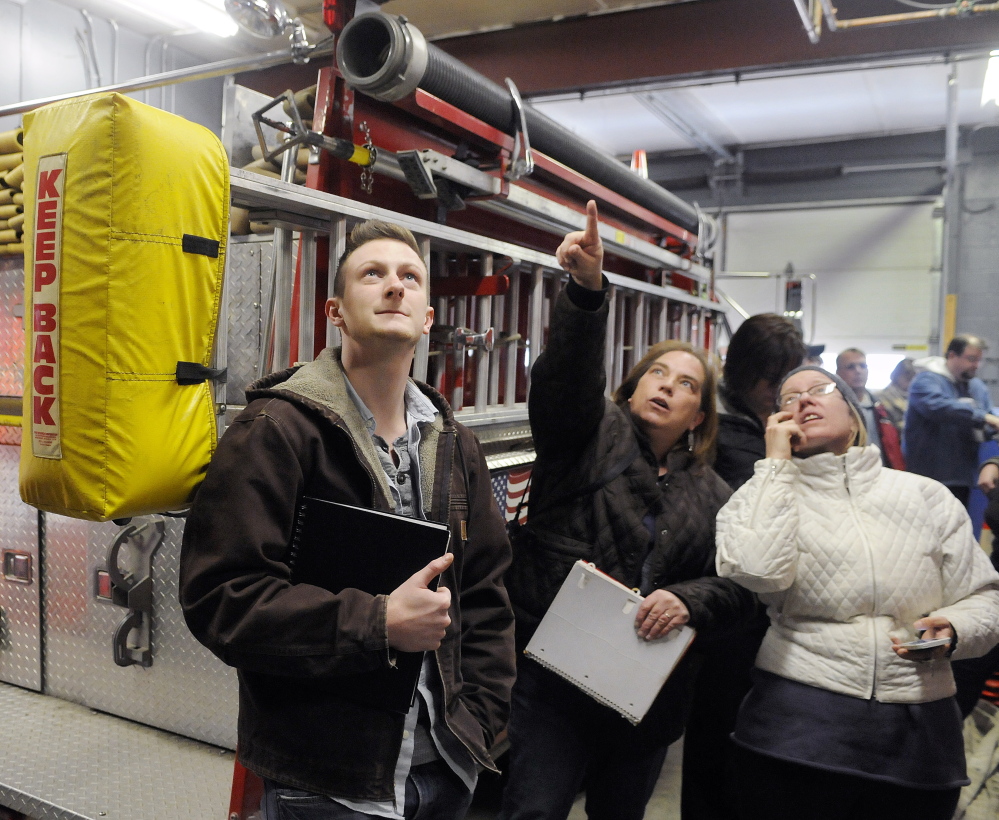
<point>823,389</point>
<point>855,366</point>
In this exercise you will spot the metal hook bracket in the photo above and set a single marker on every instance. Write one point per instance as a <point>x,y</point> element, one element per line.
<point>522,162</point>
<point>132,587</point>
<point>297,132</point>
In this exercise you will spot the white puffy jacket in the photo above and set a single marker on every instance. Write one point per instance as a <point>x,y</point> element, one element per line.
<point>845,554</point>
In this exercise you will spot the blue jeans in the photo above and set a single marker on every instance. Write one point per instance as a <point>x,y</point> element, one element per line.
<point>433,792</point>
<point>562,741</point>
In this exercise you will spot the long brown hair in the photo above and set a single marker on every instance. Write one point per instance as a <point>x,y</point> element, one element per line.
<point>706,433</point>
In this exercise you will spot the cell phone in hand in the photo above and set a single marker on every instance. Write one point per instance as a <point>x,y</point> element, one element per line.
<point>922,644</point>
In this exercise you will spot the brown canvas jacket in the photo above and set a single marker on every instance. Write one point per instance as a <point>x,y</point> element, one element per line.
<point>301,435</point>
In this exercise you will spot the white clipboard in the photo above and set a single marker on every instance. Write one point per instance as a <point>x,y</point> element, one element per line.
<point>588,637</point>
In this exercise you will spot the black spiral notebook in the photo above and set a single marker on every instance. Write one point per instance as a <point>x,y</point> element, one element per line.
<point>338,546</point>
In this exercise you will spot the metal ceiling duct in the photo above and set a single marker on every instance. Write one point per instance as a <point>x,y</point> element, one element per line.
<point>387,58</point>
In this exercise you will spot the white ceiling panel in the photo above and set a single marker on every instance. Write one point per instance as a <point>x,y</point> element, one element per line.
<point>802,107</point>
<point>618,124</point>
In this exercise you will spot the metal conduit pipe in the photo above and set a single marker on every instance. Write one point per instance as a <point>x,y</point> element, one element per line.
<point>91,50</point>
<point>956,10</point>
<point>163,67</point>
<point>386,58</point>
<point>179,75</point>
<point>148,64</point>
<point>114,50</point>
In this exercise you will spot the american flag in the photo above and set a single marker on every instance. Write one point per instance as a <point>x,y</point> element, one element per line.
<point>508,488</point>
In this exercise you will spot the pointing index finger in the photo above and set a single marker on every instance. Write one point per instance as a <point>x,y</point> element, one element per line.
<point>591,235</point>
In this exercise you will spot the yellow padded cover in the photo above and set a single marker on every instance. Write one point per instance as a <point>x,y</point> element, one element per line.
<point>115,435</point>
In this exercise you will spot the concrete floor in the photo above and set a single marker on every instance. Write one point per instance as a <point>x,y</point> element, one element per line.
<point>664,805</point>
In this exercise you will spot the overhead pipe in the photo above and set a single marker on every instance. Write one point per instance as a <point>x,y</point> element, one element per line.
<point>830,14</point>
<point>807,20</point>
<point>91,43</point>
<point>951,210</point>
<point>164,47</point>
<point>81,43</point>
<point>386,58</point>
<point>180,75</point>
<point>114,49</point>
<point>956,10</point>
<point>148,64</point>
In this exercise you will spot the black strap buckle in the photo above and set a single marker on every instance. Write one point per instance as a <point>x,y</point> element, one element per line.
<point>195,373</point>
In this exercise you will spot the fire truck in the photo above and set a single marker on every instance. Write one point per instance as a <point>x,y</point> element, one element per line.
<point>111,709</point>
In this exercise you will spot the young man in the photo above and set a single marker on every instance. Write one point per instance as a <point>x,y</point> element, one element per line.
<point>851,367</point>
<point>352,427</point>
<point>763,349</point>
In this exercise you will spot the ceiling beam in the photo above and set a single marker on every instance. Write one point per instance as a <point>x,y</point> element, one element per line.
<point>660,108</point>
<point>696,38</point>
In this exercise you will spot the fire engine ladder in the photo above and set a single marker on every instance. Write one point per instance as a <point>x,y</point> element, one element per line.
<point>492,303</point>
<point>490,330</point>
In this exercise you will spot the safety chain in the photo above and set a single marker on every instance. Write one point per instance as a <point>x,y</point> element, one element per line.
<point>367,174</point>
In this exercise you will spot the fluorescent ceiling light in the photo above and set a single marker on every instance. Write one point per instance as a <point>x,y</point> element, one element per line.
<point>187,15</point>
<point>990,88</point>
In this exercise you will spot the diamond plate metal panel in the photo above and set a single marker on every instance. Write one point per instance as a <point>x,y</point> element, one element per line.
<point>239,135</point>
<point>20,606</point>
<point>60,761</point>
<point>11,326</point>
<point>187,690</point>
<point>249,288</point>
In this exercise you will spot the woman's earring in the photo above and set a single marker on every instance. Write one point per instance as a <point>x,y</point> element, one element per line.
<point>690,441</point>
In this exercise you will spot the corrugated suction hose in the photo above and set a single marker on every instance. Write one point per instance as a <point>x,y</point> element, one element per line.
<point>385,57</point>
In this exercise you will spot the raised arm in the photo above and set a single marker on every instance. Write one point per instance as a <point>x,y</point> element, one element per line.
<point>757,538</point>
<point>757,529</point>
<point>568,379</point>
<point>582,253</point>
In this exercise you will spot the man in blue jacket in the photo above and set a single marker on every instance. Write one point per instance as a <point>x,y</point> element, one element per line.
<point>949,415</point>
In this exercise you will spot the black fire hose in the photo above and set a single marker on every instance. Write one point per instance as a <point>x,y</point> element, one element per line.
<point>386,58</point>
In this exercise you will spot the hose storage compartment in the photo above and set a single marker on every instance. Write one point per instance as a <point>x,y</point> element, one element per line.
<point>126,213</point>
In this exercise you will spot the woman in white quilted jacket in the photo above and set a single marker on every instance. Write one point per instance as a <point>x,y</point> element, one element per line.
<point>853,561</point>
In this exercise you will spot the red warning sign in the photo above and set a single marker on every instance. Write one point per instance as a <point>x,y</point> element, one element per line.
<point>45,319</point>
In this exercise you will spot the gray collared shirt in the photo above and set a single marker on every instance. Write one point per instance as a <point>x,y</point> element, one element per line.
<point>418,745</point>
<point>404,477</point>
